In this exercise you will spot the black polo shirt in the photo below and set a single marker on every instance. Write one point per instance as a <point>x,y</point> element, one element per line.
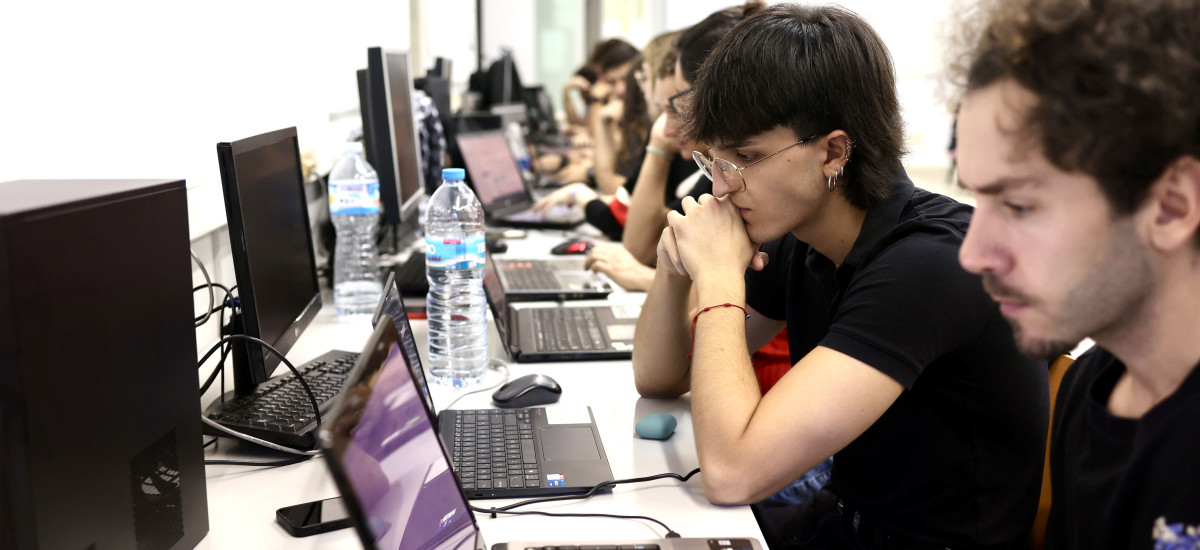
<point>957,459</point>
<point>1121,482</point>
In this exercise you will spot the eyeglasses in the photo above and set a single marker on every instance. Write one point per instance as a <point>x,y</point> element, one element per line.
<point>676,102</point>
<point>724,169</point>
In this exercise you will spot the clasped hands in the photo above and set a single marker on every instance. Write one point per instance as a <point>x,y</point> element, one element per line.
<point>708,240</point>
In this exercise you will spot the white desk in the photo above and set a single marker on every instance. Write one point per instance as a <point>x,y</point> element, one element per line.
<point>242,501</point>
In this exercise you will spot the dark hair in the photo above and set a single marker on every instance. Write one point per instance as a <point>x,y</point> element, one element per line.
<point>635,120</point>
<point>613,52</point>
<point>1115,81</point>
<point>814,69</point>
<point>698,41</point>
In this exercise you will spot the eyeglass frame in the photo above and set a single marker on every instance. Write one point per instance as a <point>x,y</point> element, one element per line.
<point>671,100</point>
<point>706,164</point>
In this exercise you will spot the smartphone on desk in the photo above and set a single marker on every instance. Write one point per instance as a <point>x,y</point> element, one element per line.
<point>310,518</point>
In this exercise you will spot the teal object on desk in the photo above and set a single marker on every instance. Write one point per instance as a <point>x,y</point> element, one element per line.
<point>656,426</point>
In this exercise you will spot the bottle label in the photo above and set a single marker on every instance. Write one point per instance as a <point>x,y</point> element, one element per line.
<point>455,251</point>
<point>353,198</point>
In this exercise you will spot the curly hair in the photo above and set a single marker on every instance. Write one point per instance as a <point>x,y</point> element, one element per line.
<point>813,69</point>
<point>1115,81</point>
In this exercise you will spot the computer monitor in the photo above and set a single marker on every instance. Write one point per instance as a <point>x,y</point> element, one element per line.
<point>392,143</point>
<point>272,248</point>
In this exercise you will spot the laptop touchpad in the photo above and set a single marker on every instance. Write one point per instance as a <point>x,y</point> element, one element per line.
<point>574,443</point>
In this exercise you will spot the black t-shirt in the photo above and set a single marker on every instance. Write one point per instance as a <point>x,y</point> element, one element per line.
<point>1120,482</point>
<point>598,213</point>
<point>957,459</point>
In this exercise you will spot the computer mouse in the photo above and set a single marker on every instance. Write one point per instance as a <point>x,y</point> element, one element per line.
<point>527,391</point>
<point>573,246</point>
<point>655,426</point>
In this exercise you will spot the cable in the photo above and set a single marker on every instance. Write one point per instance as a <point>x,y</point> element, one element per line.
<point>210,442</point>
<point>670,533</point>
<point>224,304</point>
<point>312,398</point>
<point>592,491</point>
<point>211,295</point>
<point>275,464</point>
<point>494,365</point>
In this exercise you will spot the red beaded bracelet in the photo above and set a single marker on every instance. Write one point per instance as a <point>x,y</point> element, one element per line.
<point>696,317</point>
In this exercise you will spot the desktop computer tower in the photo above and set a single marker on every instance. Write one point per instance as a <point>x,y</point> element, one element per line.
<point>100,443</point>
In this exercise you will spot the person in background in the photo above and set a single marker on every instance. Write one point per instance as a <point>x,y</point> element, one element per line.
<point>1079,133</point>
<point>593,84</point>
<point>903,369</point>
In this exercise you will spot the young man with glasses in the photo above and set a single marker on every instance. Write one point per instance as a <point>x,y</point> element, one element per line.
<point>1079,132</point>
<point>903,369</point>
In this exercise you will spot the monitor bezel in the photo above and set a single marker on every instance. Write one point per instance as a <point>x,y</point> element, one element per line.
<point>262,363</point>
<point>387,161</point>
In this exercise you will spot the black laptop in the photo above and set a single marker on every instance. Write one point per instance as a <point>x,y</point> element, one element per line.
<point>540,332</point>
<point>395,477</point>
<point>503,453</point>
<point>497,180</point>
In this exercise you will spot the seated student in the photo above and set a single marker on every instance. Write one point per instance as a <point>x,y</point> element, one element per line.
<point>608,63</point>
<point>904,370</point>
<point>1078,134</point>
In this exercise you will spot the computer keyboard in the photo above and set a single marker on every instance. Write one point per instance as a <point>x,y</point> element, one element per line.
<point>569,329</point>
<point>279,410</point>
<point>493,449</point>
<point>526,275</point>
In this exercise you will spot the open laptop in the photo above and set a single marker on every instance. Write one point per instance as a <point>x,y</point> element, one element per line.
<point>549,279</point>
<point>538,332</point>
<point>503,453</point>
<point>497,180</point>
<point>394,474</point>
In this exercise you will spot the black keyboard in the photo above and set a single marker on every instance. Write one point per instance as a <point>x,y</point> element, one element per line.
<point>526,275</point>
<point>568,329</point>
<point>493,449</point>
<point>279,410</point>
<point>410,276</point>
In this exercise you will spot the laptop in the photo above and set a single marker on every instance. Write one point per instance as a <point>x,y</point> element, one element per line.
<point>504,453</point>
<point>394,474</point>
<point>500,187</point>
<point>550,279</point>
<point>539,332</point>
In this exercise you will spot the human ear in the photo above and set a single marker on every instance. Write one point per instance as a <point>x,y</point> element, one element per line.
<point>1174,204</point>
<point>838,149</point>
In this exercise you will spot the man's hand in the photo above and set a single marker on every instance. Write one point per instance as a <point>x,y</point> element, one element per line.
<point>569,195</point>
<point>710,240</point>
<point>616,262</point>
<point>659,139</point>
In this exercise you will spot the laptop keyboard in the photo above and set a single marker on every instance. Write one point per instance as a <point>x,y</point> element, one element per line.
<point>493,449</point>
<point>568,329</point>
<point>529,276</point>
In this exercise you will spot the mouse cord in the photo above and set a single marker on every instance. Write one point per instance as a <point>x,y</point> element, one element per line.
<point>590,492</point>
<point>493,511</point>
<point>494,365</point>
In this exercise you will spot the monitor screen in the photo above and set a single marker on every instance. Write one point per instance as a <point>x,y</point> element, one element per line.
<point>388,459</point>
<point>271,243</point>
<point>393,143</point>
<point>494,173</point>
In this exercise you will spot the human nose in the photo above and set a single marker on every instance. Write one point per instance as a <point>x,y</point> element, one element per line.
<point>983,249</point>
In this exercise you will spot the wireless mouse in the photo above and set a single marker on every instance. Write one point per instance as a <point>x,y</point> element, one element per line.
<point>655,426</point>
<point>573,246</point>
<point>527,391</point>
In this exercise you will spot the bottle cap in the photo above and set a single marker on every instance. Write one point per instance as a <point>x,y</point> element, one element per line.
<point>454,174</point>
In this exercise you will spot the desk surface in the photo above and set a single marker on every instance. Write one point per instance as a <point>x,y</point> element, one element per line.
<point>242,501</point>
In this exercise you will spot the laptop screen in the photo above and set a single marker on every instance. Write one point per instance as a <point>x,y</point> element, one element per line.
<point>392,305</point>
<point>494,293</point>
<point>383,444</point>
<point>490,163</point>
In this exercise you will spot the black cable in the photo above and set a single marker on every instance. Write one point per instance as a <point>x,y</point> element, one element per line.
<point>210,442</point>
<point>224,303</point>
<point>275,464</point>
<point>216,370</point>
<point>670,533</point>
<point>311,397</point>
<point>592,491</point>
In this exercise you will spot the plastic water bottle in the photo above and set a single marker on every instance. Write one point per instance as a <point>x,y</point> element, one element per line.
<point>354,209</point>
<point>456,305</point>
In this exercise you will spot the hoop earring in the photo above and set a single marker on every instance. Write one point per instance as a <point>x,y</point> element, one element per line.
<point>832,182</point>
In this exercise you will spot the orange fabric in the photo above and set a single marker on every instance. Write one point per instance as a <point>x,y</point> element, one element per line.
<point>772,361</point>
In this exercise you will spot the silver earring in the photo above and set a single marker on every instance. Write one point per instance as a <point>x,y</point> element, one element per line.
<point>832,182</point>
